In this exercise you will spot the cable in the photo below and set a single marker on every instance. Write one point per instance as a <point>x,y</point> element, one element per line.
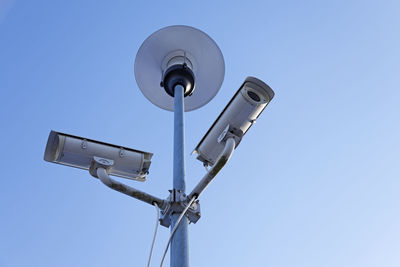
<point>155,233</point>
<point>176,227</point>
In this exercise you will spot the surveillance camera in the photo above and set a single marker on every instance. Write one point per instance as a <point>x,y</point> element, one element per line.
<point>80,152</point>
<point>235,120</point>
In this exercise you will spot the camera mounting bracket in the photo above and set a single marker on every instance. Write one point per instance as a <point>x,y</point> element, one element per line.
<point>177,201</point>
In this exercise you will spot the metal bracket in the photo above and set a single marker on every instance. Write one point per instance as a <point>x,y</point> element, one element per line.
<point>176,203</point>
<point>98,162</point>
<point>84,144</point>
<point>230,132</point>
<point>121,152</point>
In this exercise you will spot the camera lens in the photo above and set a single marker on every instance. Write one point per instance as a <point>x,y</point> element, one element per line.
<point>253,96</point>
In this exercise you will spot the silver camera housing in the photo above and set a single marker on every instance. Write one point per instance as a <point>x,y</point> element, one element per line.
<point>80,152</point>
<point>235,120</point>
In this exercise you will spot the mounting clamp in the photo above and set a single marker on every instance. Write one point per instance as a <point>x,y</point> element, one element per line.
<point>176,203</point>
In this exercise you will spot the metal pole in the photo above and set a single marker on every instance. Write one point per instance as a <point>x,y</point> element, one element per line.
<point>179,244</point>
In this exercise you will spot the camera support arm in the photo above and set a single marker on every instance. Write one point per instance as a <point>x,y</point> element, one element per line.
<point>219,164</point>
<point>102,174</point>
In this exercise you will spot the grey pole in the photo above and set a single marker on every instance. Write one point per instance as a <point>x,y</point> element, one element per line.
<point>179,244</point>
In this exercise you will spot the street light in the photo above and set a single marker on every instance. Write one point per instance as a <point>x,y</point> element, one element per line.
<point>190,68</point>
<point>177,68</point>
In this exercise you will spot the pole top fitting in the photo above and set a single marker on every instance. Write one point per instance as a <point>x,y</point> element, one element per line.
<point>179,74</point>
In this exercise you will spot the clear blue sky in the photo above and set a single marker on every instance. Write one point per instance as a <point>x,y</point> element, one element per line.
<point>314,183</point>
